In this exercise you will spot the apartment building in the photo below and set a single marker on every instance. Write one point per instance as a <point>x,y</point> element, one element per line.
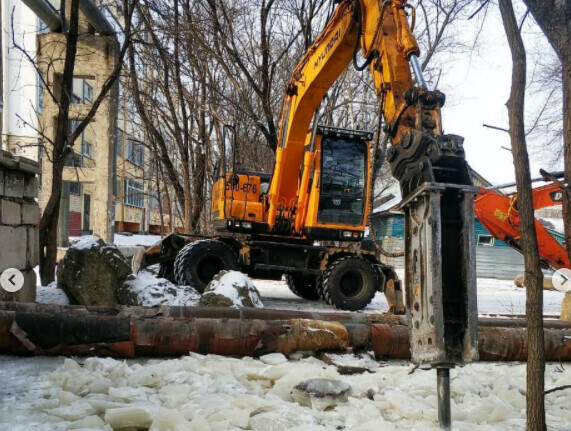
<point>106,186</point>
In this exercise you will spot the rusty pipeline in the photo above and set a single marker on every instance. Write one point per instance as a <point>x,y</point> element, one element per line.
<point>494,343</point>
<point>126,332</point>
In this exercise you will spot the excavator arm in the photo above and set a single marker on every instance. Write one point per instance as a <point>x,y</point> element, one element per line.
<point>382,33</point>
<point>499,215</point>
<point>438,196</point>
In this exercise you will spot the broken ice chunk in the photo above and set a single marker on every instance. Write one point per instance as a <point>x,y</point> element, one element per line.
<point>273,359</point>
<point>321,393</point>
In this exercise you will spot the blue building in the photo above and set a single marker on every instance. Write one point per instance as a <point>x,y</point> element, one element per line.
<point>494,258</point>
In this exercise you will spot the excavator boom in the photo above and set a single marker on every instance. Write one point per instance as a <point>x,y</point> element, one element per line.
<point>499,215</point>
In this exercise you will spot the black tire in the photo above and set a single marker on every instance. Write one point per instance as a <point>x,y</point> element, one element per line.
<point>304,286</point>
<point>198,263</point>
<point>349,283</point>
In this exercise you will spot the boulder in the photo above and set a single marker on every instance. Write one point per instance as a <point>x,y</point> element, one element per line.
<point>231,289</point>
<point>91,271</point>
<point>519,281</point>
<point>149,291</point>
<point>321,393</point>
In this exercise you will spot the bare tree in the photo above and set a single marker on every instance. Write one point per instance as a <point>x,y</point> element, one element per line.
<point>61,146</point>
<point>533,274</point>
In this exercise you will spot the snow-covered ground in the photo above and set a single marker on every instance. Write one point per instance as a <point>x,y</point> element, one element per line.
<point>209,393</point>
<point>494,297</point>
<point>125,240</point>
<point>216,393</point>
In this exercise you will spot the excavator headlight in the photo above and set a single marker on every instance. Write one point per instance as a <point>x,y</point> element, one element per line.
<point>247,225</point>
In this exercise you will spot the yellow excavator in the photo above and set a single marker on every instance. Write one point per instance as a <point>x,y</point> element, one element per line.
<point>275,225</point>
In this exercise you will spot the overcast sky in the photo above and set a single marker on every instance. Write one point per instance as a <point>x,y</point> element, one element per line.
<point>477,86</point>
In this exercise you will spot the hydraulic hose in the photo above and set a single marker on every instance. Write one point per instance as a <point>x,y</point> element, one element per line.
<point>356,65</point>
<point>373,175</point>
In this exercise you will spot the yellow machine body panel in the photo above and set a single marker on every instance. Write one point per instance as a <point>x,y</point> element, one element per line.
<point>237,197</point>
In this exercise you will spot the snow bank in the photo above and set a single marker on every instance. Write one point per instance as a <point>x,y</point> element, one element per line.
<point>147,290</point>
<point>216,393</point>
<point>85,243</point>
<point>51,294</point>
<point>124,240</point>
<point>231,288</point>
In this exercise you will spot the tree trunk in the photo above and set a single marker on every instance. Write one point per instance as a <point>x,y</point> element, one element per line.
<point>535,411</point>
<point>61,150</point>
<point>567,149</point>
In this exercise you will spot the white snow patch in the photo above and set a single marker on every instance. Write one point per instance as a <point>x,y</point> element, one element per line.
<point>217,393</point>
<point>556,222</point>
<point>227,286</point>
<point>364,361</point>
<point>85,243</point>
<point>125,240</point>
<point>152,291</point>
<point>494,297</point>
<point>51,294</point>
<point>273,359</point>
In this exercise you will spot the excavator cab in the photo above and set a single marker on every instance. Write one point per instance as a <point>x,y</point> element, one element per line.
<point>332,203</point>
<point>332,189</point>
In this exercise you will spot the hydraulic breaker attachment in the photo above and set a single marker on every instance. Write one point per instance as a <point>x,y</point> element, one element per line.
<point>440,263</point>
<point>440,274</point>
<point>440,258</point>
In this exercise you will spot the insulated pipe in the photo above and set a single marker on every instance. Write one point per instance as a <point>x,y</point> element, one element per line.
<point>247,313</point>
<point>36,329</point>
<point>494,344</point>
<point>558,174</point>
<point>46,12</point>
<point>96,18</point>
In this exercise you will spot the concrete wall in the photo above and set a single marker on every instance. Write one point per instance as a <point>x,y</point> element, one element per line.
<point>19,212</point>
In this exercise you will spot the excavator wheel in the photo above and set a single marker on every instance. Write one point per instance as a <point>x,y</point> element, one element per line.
<point>304,286</point>
<point>349,283</point>
<point>198,263</point>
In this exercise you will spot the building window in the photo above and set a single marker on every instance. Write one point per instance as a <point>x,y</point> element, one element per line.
<point>42,28</point>
<point>85,147</point>
<point>75,189</point>
<point>134,193</point>
<point>75,161</point>
<point>82,91</point>
<point>135,153</point>
<point>486,240</point>
<point>87,92</point>
<point>73,125</point>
